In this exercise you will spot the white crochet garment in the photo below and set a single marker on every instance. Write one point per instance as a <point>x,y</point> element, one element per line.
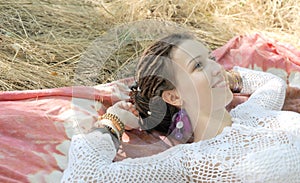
<point>262,145</point>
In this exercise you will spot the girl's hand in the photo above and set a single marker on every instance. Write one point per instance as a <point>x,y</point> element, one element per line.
<point>292,99</point>
<point>126,112</point>
<point>234,81</point>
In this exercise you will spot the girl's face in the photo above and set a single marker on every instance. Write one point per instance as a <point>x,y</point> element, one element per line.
<point>200,81</point>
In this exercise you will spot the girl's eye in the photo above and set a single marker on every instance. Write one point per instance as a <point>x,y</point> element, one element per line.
<point>198,65</point>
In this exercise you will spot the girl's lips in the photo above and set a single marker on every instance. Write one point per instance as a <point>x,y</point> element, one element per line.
<point>220,84</point>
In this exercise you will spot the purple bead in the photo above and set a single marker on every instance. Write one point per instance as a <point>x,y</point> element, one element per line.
<point>181,125</point>
<point>178,136</point>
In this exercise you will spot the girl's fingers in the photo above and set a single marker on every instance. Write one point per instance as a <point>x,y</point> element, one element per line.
<point>123,105</point>
<point>134,111</point>
<point>126,106</point>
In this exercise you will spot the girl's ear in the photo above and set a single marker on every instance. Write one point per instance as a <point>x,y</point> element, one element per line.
<point>172,97</point>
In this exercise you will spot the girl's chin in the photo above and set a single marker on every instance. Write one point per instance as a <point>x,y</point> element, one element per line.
<point>222,96</point>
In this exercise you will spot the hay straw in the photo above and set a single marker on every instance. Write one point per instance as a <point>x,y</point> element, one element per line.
<point>43,41</point>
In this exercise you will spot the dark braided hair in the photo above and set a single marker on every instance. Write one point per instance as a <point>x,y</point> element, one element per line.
<point>154,75</point>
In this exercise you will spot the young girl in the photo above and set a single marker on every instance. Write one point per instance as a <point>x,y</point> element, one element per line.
<point>181,92</point>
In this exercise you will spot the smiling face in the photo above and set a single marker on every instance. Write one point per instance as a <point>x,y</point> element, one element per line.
<point>175,73</point>
<point>200,81</point>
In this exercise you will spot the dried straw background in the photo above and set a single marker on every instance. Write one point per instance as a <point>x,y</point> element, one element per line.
<point>42,41</point>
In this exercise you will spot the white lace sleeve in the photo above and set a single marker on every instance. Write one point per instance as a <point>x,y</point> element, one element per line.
<point>267,90</point>
<point>265,103</point>
<point>91,160</point>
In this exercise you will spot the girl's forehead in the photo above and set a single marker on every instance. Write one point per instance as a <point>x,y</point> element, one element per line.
<point>190,49</point>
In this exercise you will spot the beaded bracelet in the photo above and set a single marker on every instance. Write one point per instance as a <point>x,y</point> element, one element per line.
<point>108,125</point>
<point>111,128</point>
<point>115,122</point>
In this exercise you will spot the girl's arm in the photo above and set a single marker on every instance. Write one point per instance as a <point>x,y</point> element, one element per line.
<point>266,90</point>
<point>91,160</point>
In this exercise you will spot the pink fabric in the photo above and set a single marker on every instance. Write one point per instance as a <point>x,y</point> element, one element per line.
<point>35,125</point>
<point>258,51</point>
<point>32,127</point>
<point>30,132</point>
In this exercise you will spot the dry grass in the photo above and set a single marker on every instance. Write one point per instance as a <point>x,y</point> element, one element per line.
<point>43,43</point>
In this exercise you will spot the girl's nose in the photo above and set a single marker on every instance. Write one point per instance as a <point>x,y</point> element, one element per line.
<point>216,68</point>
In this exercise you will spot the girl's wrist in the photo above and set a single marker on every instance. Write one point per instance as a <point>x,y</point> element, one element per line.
<point>112,123</point>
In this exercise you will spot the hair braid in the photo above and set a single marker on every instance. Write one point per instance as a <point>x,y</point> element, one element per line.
<point>154,76</point>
